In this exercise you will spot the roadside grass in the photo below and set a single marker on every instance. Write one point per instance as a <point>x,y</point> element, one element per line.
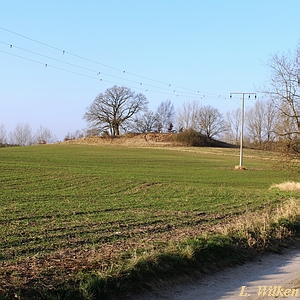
<point>82,222</point>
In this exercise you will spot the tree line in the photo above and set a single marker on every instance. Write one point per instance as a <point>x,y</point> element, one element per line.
<point>265,126</point>
<point>273,120</point>
<point>23,135</point>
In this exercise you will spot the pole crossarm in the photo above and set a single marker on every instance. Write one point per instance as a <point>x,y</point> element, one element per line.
<point>239,93</point>
<point>242,121</point>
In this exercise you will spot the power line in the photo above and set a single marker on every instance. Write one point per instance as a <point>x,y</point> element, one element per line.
<point>47,65</point>
<point>166,86</point>
<point>178,93</point>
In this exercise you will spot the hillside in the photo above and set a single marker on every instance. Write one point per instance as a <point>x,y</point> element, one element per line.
<point>150,139</point>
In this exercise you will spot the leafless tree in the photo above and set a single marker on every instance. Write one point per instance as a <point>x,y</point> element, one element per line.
<point>44,136</point>
<point>283,86</point>
<point>113,107</point>
<point>91,132</point>
<point>165,115</point>
<point>187,115</point>
<point>260,123</point>
<point>21,135</point>
<point>78,134</point>
<point>145,122</point>
<point>3,139</point>
<point>285,125</point>
<point>211,121</point>
<point>270,121</point>
<point>233,126</point>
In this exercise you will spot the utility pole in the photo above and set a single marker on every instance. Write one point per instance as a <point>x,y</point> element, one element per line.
<point>242,124</point>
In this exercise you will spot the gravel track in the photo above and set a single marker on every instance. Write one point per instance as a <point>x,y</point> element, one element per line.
<point>241,282</point>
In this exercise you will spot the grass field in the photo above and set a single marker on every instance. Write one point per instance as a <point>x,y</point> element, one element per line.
<point>72,210</point>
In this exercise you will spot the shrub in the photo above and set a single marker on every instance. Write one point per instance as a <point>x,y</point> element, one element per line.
<point>191,137</point>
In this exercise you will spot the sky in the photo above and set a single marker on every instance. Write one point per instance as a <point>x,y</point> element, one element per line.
<point>57,56</point>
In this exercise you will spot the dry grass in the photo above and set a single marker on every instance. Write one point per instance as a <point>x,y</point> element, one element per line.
<point>290,186</point>
<point>135,140</point>
<point>259,228</point>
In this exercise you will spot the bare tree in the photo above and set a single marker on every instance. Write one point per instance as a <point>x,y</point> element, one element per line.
<point>283,86</point>
<point>285,125</point>
<point>44,136</point>
<point>90,132</point>
<point>210,122</point>
<point>269,121</point>
<point>21,135</point>
<point>113,107</point>
<point>78,134</point>
<point>3,139</point>
<point>233,125</point>
<point>187,115</point>
<point>260,123</point>
<point>145,122</point>
<point>165,115</point>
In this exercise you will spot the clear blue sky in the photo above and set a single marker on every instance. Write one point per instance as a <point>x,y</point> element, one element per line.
<point>211,46</point>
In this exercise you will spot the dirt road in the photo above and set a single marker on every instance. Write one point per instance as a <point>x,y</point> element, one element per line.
<point>273,276</point>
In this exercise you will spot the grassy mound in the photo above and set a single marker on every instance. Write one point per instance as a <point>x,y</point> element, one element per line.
<point>187,138</point>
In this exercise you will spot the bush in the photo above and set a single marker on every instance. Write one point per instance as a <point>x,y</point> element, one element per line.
<point>191,137</point>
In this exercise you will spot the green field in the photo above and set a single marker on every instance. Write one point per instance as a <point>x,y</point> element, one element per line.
<point>68,210</point>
